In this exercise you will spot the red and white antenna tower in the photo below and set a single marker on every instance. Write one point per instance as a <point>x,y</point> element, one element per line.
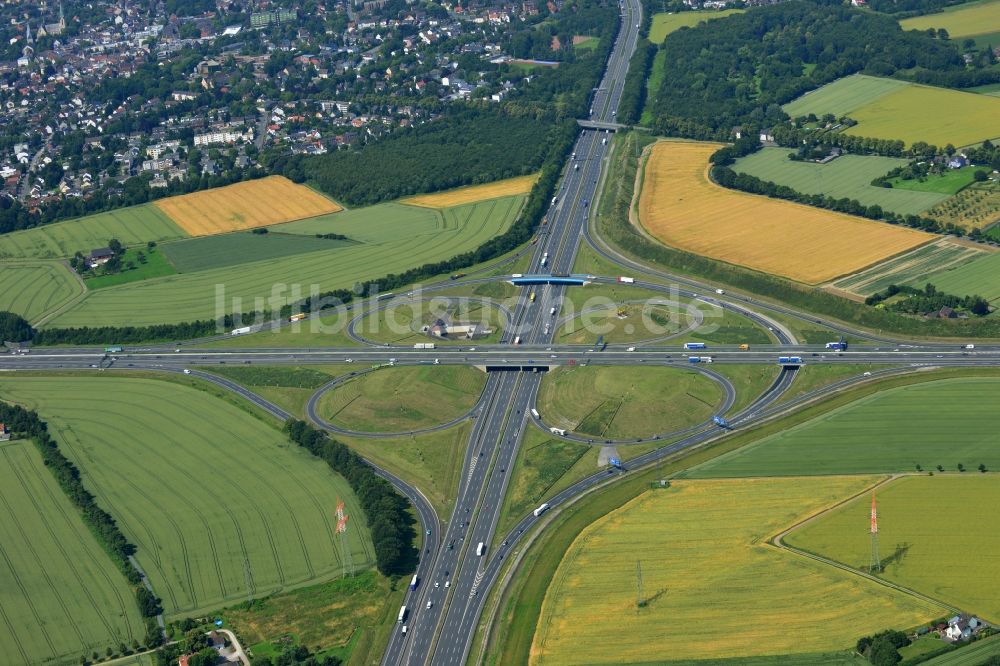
<point>341,530</point>
<point>876,562</point>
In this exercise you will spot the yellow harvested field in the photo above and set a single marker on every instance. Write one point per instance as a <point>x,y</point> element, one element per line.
<point>713,586</point>
<point>474,193</point>
<point>681,207</point>
<point>247,205</point>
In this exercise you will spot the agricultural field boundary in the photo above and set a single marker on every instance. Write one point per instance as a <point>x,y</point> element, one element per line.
<point>778,542</point>
<point>245,205</point>
<point>691,222</point>
<point>36,289</point>
<point>734,551</point>
<point>474,193</point>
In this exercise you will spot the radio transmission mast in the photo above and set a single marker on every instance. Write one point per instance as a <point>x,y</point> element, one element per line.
<point>875,565</point>
<point>639,603</point>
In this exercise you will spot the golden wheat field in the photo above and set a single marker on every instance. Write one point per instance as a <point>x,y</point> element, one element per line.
<point>712,585</point>
<point>680,206</point>
<point>254,203</point>
<point>474,193</point>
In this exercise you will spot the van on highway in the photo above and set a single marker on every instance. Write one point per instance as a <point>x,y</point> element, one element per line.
<point>403,630</point>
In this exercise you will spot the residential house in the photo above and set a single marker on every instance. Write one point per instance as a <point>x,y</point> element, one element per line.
<point>4,433</point>
<point>100,256</point>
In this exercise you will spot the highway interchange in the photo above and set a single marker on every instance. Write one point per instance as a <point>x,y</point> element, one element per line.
<point>442,619</point>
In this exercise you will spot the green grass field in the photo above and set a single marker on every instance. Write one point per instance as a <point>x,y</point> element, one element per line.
<point>432,461</point>
<point>981,276</point>
<point>889,109</point>
<point>919,538</point>
<point>811,377</point>
<point>403,399</point>
<point>849,176</point>
<point>936,115</point>
<point>967,20</point>
<point>973,655</point>
<point>342,618</point>
<point>62,597</point>
<point>156,266</point>
<point>619,403</point>
<point>33,288</point>
<point>843,96</point>
<point>887,431</point>
<point>911,267</point>
<point>948,183</point>
<point>207,252</point>
<point>702,546</point>
<point>544,466</point>
<point>132,226</point>
<point>243,500</point>
<point>392,238</point>
<point>665,23</point>
<point>277,375</point>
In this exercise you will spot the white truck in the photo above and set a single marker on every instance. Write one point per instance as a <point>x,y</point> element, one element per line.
<point>481,549</point>
<point>558,431</point>
<point>241,330</point>
<point>402,615</point>
<point>540,510</point>
<point>534,412</point>
<point>424,345</point>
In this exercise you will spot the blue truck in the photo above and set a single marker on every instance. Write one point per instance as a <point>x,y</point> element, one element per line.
<point>695,345</point>
<point>840,345</point>
<point>790,360</point>
<point>721,422</point>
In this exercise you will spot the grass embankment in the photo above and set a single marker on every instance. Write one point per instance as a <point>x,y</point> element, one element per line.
<point>432,462</point>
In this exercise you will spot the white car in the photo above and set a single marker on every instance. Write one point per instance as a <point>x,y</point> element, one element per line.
<point>437,584</point>
<point>429,604</point>
<point>404,629</point>
<point>447,584</point>
<point>186,371</point>
<point>348,360</point>
<point>867,374</point>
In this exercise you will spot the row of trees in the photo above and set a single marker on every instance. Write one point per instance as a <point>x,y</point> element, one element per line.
<point>633,98</point>
<point>26,423</point>
<point>927,300</point>
<point>385,510</point>
<point>726,177</point>
<point>741,68</point>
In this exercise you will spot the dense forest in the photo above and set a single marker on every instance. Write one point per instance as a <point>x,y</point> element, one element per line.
<point>25,423</point>
<point>467,148</point>
<point>385,510</point>
<point>740,69</point>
